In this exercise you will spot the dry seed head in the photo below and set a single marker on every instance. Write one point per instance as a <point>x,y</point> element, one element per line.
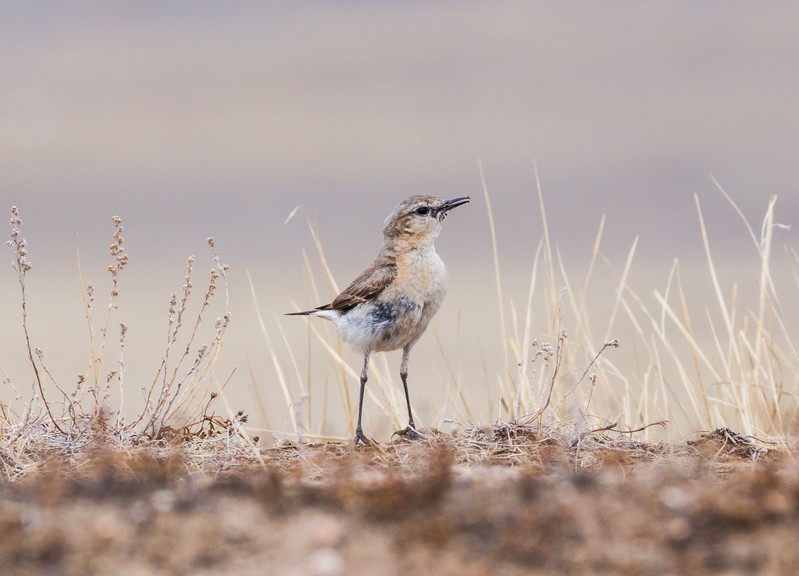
<point>116,250</point>
<point>222,323</point>
<point>212,283</point>
<point>16,222</point>
<point>21,263</point>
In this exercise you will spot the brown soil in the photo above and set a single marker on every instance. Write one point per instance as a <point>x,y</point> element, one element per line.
<point>505,500</point>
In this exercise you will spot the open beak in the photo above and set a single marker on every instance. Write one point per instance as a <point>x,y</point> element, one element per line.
<point>448,205</point>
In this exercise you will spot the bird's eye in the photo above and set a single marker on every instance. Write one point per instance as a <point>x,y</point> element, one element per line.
<point>423,210</point>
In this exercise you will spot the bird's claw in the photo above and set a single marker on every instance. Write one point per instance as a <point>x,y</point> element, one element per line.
<point>409,434</point>
<point>360,438</point>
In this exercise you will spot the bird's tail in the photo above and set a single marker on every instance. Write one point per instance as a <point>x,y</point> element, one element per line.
<point>321,312</point>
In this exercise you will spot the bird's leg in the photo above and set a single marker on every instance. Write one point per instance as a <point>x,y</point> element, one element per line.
<point>404,376</point>
<point>410,432</point>
<point>359,435</point>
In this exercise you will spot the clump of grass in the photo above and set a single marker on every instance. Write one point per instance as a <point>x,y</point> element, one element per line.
<point>177,403</point>
<point>744,377</point>
<point>171,390</point>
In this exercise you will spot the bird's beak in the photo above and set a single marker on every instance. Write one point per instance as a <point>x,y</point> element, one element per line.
<point>448,205</point>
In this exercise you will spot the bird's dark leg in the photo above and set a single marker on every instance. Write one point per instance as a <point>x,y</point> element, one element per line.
<point>409,432</point>
<point>404,376</point>
<point>359,435</point>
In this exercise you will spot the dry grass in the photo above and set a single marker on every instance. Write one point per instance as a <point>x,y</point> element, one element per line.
<point>693,369</point>
<point>559,475</point>
<point>743,376</point>
<point>178,402</point>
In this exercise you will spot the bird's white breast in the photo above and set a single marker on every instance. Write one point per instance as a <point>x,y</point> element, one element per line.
<point>402,311</point>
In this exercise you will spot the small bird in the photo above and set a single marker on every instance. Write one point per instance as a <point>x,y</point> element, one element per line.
<point>391,303</point>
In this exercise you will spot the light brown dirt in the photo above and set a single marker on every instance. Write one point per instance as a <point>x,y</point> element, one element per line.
<point>506,500</point>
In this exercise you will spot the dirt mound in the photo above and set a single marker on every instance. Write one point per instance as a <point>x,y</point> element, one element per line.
<point>505,500</point>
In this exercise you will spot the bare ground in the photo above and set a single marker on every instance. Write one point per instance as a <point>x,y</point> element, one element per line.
<point>502,500</point>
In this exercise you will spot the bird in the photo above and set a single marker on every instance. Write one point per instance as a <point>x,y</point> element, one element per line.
<point>389,305</point>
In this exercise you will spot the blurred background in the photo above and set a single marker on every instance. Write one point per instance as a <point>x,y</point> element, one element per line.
<point>196,119</point>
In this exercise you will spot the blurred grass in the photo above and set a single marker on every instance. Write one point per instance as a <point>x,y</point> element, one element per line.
<point>727,364</point>
<point>721,365</point>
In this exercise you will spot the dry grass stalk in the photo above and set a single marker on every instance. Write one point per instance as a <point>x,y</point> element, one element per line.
<point>182,407</point>
<point>22,266</point>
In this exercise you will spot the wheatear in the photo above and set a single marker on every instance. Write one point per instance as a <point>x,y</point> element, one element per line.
<point>391,303</point>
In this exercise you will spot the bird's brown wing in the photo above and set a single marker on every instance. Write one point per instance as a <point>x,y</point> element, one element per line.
<point>367,286</point>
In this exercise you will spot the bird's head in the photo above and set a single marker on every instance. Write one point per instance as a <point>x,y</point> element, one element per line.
<point>417,220</point>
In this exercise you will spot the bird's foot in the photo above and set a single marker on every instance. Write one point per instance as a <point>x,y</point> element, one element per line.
<point>409,433</point>
<point>360,438</point>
